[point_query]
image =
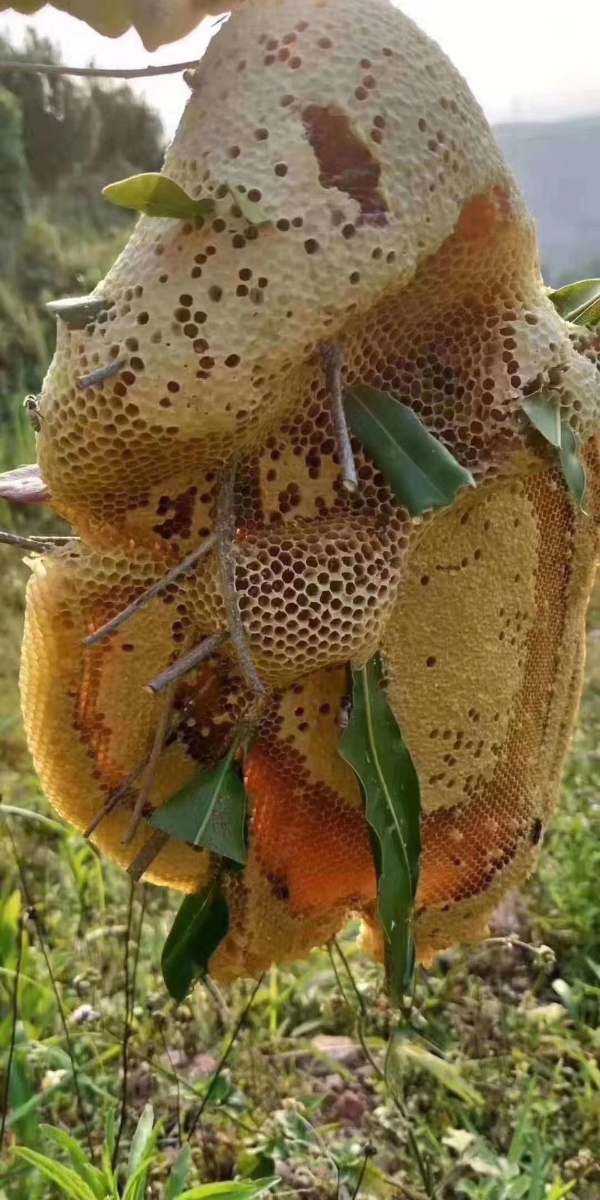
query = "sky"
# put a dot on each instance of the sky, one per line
(524, 59)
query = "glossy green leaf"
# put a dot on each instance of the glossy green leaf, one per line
(246, 1190)
(543, 411)
(180, 1173)
(198, 929)
(66, 1180)
(422, 473)
(157, 196)
(573, 468)
(210, 811)
(373, 745)
(578, 302)
(250, 210)
(411, 1051)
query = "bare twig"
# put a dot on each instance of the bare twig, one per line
(218, 1000)
(41, 545)
(226, 536)
(146, 856)
(150, 769)
(333, 376)
(78, 311)
(177, 1082)
(13, 1031)
(126, 1030)
(24, 485)
(187, 662)
(33, 912)
(28, 68)
(101, 375)
(355, 988)
(234, 1036)
(368, 1154)
(422, 1165)
(113, 801)
(156, 590)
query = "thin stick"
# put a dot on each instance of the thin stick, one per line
(382, 1074)
(177, 1085)
(13, 1031)
(59, 1004)
(150, 769)
(226, 536)
(113, 801)
(27, 68)
(101, 375)
(146, 857)
(28, 543)
(126, 1030)
(156, 590)
(355, 988)
(224, 1057)
(219, 1001)
(333, 376)
(361, 1175)
(187, 662)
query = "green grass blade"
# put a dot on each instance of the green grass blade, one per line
(69, 1183)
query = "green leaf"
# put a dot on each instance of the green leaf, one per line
(422, 473)
(92, 1176)
(578, 302)
(64, 1178)
(372, 743)
(251, 212)
(108, 1148)
(179, 1175)
(157, 196)
(199, 927)
(140, 1139)
(544, 413)
(410, 1051)
(210, 811)
(573, 468)
(231, 1191)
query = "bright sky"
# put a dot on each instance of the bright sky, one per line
(522, 58)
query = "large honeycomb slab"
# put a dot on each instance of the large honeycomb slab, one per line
(392, 227)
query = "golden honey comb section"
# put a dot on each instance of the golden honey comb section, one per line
(360, 172)
(310, 862)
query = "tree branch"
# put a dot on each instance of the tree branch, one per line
(187, 662)
(156, 590)
(332, 361)
(28, 68)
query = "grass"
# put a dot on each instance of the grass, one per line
(492, 1092)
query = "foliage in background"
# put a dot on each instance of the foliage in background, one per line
(61, 142)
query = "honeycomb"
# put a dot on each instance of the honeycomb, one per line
(389, 226)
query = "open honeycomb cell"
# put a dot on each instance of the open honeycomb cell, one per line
(390, 227)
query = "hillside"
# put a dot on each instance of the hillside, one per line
(556, 163)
